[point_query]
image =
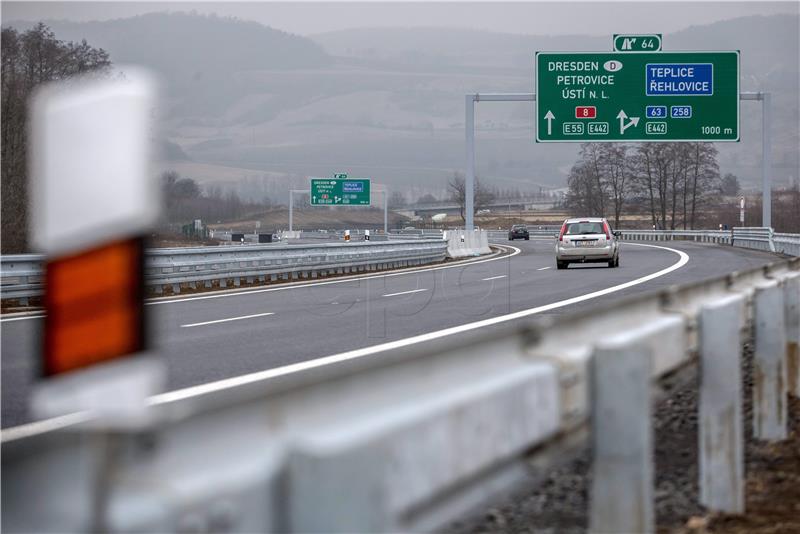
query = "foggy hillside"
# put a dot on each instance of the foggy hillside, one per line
(260, 110)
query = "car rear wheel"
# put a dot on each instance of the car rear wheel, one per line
(527, 239)
(561, 264)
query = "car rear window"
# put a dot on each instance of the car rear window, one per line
(581, 228)
(516, 227)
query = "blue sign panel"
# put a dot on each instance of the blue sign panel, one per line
(679, 79)
(656, 112)
(681, 112)
(353, 187)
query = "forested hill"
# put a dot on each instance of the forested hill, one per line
(195, 52)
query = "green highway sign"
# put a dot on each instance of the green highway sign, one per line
(637, 42)
(619, 96)
(340, 191)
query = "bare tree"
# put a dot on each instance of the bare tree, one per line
(482, 196)
(396, 200)
(600, 181)
(675, 180)
(583, 193)
(30, 59)
(617, 167)
(705, 179)
(730, 185)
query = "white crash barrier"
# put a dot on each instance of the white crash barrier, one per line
(461, 243)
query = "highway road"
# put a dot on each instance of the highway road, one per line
(228, 335)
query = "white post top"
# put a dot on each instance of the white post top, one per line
(91, 175)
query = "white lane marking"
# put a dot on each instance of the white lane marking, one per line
(493, 278)
(405, 292)
(543, 269)
(22, 318)
(48, 425)
(228, 383)
(227, 320)
(40, 427)
(239, 292)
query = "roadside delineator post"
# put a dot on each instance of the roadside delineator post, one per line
(720, 433)
(791, 302)
(622, 485)
(93, 199)
(769, 364)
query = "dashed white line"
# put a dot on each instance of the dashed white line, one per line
(404, 292)
(493, 278)
(227, 320)
(543, 269)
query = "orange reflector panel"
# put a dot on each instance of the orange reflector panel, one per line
(94, 305)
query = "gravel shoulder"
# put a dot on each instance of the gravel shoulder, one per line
(559, 502)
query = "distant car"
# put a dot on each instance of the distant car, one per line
(518, 231)
(483, 212)
(588, 240)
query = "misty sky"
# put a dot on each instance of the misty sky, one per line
(540, 18)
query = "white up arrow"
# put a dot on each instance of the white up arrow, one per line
(549, 118)
(622, 126)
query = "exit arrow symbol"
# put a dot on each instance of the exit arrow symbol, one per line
(622, 126)
(549, 118)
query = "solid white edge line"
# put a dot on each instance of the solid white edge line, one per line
(37, 315)
(227, 320)
(493, 278)
(47, 425)
(405, 292)
(227, 383)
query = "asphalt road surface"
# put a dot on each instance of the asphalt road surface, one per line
(214, 336)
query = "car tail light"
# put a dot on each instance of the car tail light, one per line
(606, 230)
(563, 230)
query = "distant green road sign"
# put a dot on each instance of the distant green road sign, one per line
(637, 42)
(339, 192)
(618, 96)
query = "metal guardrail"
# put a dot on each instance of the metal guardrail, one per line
(21, 276)
(746, 237)
(786, 243)
(406, 437)
(703, 236)
(172, 267)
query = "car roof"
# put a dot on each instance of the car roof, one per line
(584, 219)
